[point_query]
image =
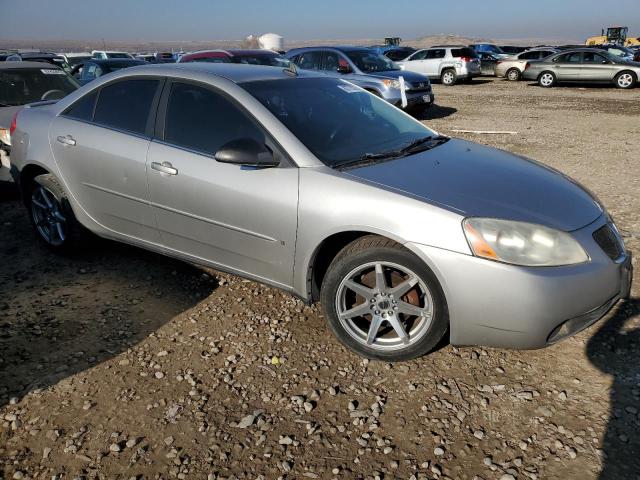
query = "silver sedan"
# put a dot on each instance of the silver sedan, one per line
(586, 65)
(317, 187)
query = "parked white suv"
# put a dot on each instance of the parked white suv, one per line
(446, 63)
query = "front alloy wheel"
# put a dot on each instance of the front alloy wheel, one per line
(625, 80)
(384, 306)
(382, 301)
(48, 217)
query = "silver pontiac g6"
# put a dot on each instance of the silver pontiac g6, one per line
(317, 187)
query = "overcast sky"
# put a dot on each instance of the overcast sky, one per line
(169, 20)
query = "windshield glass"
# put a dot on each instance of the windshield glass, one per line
(337, 121)
(118, 55)
(263, 59)
(21, 86)
(369, 61)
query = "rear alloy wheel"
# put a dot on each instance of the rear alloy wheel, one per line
(383, 302)
(51, 214)
(625, 80)
(513, 75)
(547, 79)
(449, 77)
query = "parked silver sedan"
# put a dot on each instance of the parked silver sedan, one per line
(583, 65)
(315, 186)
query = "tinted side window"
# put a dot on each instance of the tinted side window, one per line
(83, 108)
(125, 105)
(203, 120)
(331, 61)
(529, 56)
(310, 60)
(592, 57)
(421, 55)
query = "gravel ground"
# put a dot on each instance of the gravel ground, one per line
(117, 363)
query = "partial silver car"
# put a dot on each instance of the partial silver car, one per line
(586, 65)
(511, 68)
(315, 186)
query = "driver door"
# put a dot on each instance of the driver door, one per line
(417, 62)
(238, 218)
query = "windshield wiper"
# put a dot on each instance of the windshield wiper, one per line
(419, 145)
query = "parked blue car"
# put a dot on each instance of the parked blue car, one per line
(370, 70)
(494, 50)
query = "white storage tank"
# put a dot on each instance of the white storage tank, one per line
(271, 41)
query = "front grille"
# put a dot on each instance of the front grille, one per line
(609, 241)
(420, 87)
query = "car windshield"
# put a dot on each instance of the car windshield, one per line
(370, 61)
(263, 59)
(21, 86)
(118, 55)
(337, 121)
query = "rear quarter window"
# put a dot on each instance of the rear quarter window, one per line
(125, 105)
(82, 109)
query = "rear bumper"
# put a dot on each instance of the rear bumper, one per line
(499, 305)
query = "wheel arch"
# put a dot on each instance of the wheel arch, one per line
(26, 179)
(326, 250)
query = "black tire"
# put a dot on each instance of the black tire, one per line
(75, 235)
(449, 77)
(371, 249)
(547, 79)
(625, 80)
(513, 75)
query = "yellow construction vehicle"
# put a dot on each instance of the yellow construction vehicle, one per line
(617, 35)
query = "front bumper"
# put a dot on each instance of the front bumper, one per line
(500, 305)
(414, 99)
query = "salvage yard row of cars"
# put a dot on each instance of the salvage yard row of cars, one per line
(299, 172)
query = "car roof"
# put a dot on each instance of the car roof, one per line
(351, 48)
(237, 73)
(24, 64)
(115, 61)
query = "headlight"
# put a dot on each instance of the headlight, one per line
(395, 84)
(521, 243)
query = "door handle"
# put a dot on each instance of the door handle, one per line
(164, 167)
(67, 140)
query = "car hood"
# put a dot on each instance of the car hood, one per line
(395, 74)
(6, 115)
(478, 181)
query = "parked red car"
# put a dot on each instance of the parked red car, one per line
(251, 57)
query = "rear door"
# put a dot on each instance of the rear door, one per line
(239, 218)
(433, 61)
(100, 145)
(568, 67)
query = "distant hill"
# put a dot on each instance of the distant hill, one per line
(61, 45)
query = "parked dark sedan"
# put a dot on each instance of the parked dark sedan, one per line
(23, 82)
(92, 69)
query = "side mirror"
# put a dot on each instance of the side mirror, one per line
(247, 152)
(343, 69)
